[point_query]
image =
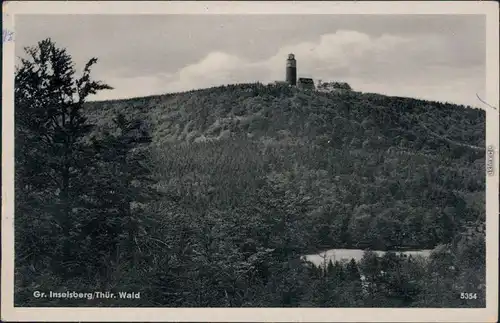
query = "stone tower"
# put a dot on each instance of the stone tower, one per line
(291, 70)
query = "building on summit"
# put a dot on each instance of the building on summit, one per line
(291, 70)
(332, 86)
(305, 83)
(291, 75)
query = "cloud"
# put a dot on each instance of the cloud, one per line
(425, 66)
(133, 86)
(216, 68)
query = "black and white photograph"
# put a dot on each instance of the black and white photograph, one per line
(272, 161)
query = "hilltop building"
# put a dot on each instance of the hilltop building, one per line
(305, 83)
(291, 70)
(333, 86)
(291, 75)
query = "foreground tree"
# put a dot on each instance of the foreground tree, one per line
(53, 159)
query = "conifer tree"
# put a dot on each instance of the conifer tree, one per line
(125, 185)
(52, 157)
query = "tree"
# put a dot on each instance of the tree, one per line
(124, 186)
(53, 159)
(354, 288)
(371, 269)
(353, 271)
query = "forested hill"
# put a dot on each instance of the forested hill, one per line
(209, 198)
(277, 110)
(342, 169)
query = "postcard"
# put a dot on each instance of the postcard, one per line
(250, 161)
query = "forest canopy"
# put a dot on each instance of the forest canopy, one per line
(209, 197)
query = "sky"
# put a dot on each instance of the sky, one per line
(435, 57)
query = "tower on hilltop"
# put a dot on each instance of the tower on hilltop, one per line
(291, 70)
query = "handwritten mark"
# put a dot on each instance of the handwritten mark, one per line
(485, 102)
(7, 36)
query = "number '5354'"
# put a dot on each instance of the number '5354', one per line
(468, 295)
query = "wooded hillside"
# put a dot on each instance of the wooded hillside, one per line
(209, 197)
(361, 161)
